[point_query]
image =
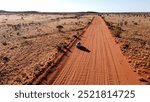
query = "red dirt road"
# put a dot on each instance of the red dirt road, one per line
(99, 62)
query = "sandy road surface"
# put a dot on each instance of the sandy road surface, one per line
(100, 61)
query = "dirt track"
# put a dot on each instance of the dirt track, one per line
(100, 61)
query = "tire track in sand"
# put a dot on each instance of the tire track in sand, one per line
(104, 64)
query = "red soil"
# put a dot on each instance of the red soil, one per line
(99, 62)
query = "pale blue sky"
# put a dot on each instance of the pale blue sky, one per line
(76, 5)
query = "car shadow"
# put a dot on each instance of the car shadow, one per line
(82, 48)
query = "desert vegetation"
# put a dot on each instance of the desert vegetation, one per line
(28, 41)
(132, 33)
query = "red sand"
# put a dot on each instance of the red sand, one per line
(103, 65)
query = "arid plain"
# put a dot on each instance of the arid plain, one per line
(28, 41)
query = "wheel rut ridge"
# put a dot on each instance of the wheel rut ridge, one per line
(111, 66)
(87, 73)
(93, 56)
(64, 72)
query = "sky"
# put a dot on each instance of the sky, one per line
(76, 5)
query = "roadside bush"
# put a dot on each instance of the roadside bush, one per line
(103, 17)
(59, 48)
(64, 45)
(135, 23)
(75, 36)
(117, 31)
(5, 59)
(18, 33)
(4, 43)
(67, 38)
(121, 23)
(59, 27)
(125, 23)
(125, 46)
(89, 22)
(110, 25)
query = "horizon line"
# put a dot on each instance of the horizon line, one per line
(7, 11)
